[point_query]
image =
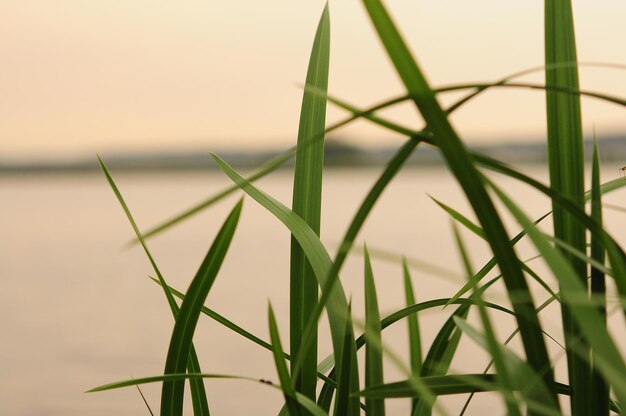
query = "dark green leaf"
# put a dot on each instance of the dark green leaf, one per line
(172, 394)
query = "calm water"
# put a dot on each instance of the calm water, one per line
(77, 310)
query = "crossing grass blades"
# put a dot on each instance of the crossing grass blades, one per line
(581, 256)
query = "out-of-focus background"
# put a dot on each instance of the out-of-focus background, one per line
(153, 87)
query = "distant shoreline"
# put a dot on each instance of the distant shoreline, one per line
(337, 155)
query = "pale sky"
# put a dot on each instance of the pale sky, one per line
(79, 77)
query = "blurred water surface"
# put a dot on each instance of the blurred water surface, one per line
(77, 310)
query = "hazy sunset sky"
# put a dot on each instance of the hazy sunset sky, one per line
(79, 77)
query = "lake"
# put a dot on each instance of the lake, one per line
(77, 309)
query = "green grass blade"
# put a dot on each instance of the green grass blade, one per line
(503, 377)
(440, 355)
(281, 368)
(566, 163)
(404, 313)
(346, 403)
(457, 216)
(460, 163)
(373, 354)
(337, 305)
(599, 395)
(307, 203)
(605, 353)
(415, 341)
(274, 163)
(572, 251)
(523, 378)
(239, 330)
(307, 403)
(392, 168)
(474, 280)
(616, 255)
(198, 392)
(541, 307)
(267, 168)
(224, 321)
(172, 393)
(443, 385)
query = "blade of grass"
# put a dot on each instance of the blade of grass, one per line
(274, 163)
(238, 329)
(281, 368)
(404, 313)
(616, 255)
(599, 397)
(172, 393)
(373, 355)
(503, 377)
(346, 403)
(443, 385)
(415, 342)
(567, 167)
(307, 203)
(392, 168)
(541, 307)
(143, 398)
(307, 403)
(524, 378)
(605, 353)
(198, 393)
(337, 305)
(473, 281)
(440, 355)
(461, 164)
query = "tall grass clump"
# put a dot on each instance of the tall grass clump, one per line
(581, 256)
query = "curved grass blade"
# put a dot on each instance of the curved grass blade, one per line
(616, 255)
(441, 351)
(503, 376)
(307, 403)
(358, 220)
(444, 385)
(440, 355)
(461, 164)
(541, 307)
(267, 168)
(368, 114)
(605, 353)
(599, 396)
(337, 305)
(566, 248)
(415, 341)
(307, 203)
(281, 368)
(373, 355)
(272, 164)
(392, 168)
(523, 378)
(172, 393)
(474, 280)
(198, 393)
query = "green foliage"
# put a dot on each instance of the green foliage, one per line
(525, 382)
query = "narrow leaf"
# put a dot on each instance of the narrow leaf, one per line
(373, 352)
(281, 368)
(198, 393)
(307, 203)
(172, 393)
(462, 166)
